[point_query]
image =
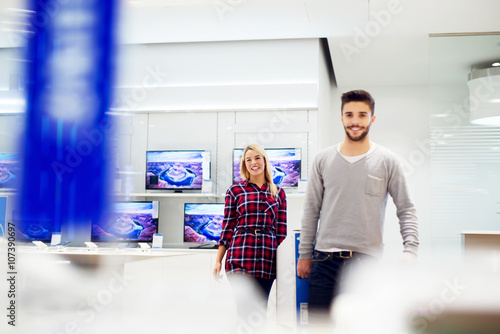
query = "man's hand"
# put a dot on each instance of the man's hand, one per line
(304, 268)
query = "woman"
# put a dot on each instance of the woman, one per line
(254, 225)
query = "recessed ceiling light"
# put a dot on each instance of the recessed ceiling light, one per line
(497, 63)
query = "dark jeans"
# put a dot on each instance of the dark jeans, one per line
(327, 273)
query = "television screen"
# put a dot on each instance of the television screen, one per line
(34, 230)
(177, 170)
(9, 170)
(127, 222)
(203, 222)
(286, 166)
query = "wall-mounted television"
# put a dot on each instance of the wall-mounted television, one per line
(177, 170)
(286, 166)
(127, 222)
(203, 222)
(9, 170)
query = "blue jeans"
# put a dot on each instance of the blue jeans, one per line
(327, 272)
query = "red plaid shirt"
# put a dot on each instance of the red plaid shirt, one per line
(248, 207)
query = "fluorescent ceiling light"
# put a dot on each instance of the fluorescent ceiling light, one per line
(13, 102)
(10, 111)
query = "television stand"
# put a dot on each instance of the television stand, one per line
(205, 246)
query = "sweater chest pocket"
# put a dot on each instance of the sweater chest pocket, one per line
(374, 185)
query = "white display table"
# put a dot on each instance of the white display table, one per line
(107, 256)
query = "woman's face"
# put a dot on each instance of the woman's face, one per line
(255, 163)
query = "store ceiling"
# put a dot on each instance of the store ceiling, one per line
(372, 42)
(452, 58)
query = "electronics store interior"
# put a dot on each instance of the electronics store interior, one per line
(113, 226)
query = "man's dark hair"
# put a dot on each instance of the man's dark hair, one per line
(358, 96)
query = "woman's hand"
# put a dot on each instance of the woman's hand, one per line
(216, 271)
(218, 262)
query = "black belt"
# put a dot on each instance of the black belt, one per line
(343, 254)
(256, 231)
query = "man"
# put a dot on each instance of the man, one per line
(347, 193)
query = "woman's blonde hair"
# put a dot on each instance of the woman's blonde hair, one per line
(268, 173)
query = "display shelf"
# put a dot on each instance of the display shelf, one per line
(171, 195)
(288, 195)
(484, 232)
(7, 193)
(295, 195)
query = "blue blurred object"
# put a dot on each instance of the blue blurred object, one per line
(65, 152)
(301, 288)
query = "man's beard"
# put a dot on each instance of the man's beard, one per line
(360, 137)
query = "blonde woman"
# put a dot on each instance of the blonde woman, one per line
(254, 224)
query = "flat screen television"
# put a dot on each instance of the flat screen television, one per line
(203, 223)
(9, 171)
(34, 230)
(127, 222)
(177, 170)
(286, 166)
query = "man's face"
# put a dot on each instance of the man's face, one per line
(357, 118)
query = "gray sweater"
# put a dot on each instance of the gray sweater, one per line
(348, 201)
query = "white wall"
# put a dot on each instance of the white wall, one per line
(241, 75)
(11, 127)
(465, 172)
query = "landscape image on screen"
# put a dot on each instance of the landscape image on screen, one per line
(174, 169)
(9, 170)
(35, 230)
(286, 166)
(203, 222)
(127, 221)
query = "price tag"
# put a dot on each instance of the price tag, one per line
(157, 240)
(56, 239)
